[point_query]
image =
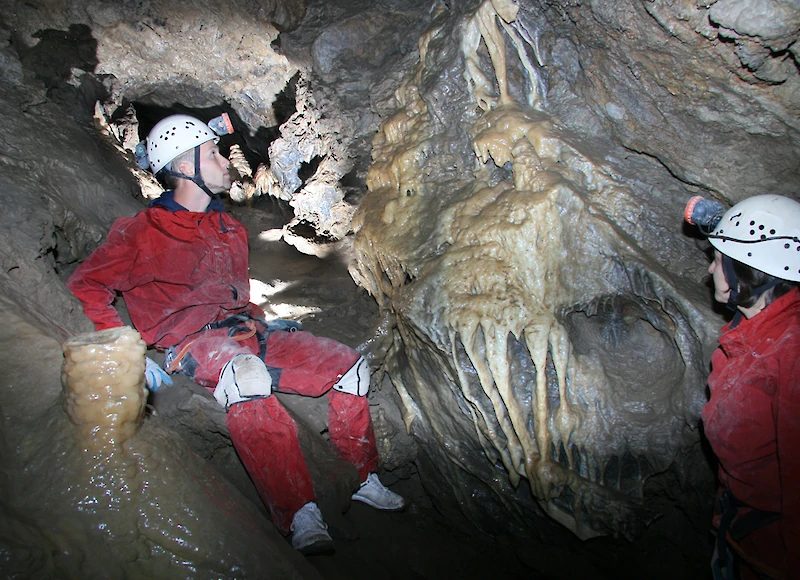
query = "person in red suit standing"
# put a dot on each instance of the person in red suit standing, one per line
(182, 267)
(752, 419)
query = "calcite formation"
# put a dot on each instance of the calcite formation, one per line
(124, 482)
(307, 138)
(537, 337)
(104, 389)
(522, 226)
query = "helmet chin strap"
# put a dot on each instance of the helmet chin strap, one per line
(197, 179)
(733, 283)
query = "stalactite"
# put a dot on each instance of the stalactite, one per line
(513, 257)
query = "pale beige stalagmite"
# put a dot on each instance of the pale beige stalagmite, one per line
(130, 499)
(103, 384)
(265, 182)
(239, 162)
(245, 187)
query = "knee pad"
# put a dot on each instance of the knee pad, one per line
(244, 378)
(356, 380)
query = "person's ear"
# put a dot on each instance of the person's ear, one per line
(186, 167)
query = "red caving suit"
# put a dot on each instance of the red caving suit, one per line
(753, 424)
(179, 271)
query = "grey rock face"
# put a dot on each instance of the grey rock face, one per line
(348, 48)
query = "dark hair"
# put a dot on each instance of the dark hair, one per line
(167, 180)
(750, 279)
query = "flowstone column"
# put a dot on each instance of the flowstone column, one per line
(103, 386)
(133, 486)
(540, 339)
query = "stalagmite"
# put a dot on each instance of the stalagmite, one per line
(104, 388)
(160, 510)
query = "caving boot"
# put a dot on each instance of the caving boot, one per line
(310, 533)
(373, 493)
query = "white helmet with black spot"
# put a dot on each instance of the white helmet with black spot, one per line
(174, 135)
(762, 232)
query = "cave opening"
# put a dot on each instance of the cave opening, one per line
(307, 170)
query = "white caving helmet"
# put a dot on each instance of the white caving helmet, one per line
(178, 134)
(174, 135)
(762, 232)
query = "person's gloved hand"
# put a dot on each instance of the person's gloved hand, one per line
(154, 375)
(281, 324)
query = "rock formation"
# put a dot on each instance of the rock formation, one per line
(510, 176)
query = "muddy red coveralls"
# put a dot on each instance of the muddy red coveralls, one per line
(181, 271)
(753, 424)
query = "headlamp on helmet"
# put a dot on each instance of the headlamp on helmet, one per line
(703, 213)
(762, 232)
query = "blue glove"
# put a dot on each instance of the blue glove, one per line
(154, 375)
(281, 324)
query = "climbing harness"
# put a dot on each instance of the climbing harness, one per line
(240, 327)
(731, 529)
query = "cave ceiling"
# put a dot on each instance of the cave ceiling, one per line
(511, 176)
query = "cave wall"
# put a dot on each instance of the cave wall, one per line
(61, 190)
(523, 223)
(563, 137)
(709, 89)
